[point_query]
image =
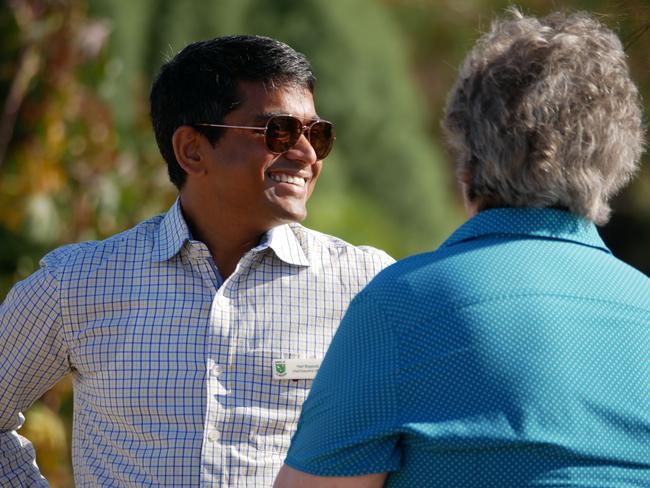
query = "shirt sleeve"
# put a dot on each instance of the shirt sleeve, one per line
(33, 358)
(349, 424)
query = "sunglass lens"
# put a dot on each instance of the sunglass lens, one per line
(321, 137)
(282, 132)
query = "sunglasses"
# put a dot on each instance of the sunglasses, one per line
(282, 132)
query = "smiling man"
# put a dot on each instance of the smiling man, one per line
(193, 337)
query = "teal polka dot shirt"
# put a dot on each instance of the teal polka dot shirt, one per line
(516, 355)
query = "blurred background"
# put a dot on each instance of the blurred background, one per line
(78, 159)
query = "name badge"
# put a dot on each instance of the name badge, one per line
(295, 369)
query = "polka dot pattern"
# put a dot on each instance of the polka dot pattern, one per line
(517, 354)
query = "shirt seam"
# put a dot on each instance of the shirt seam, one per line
(494, 298)
(395, 356)
(59, 316)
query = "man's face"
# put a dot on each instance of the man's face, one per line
(249, 182)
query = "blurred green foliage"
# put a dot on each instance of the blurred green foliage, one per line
(78, 159)
(364, 86)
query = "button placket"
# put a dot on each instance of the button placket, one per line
(217, 395)
(224, 341)
(197, 253)
(216, 370)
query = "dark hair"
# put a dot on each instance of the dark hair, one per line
(200, 84)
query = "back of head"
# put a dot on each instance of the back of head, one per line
(544, 114)
(200, 84)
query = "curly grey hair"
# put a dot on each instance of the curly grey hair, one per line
(544, 114)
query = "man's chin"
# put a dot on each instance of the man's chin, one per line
(287, 214)
(293, 217)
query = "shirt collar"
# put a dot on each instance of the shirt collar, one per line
(286, 246)
(174, 232)
(537, 222)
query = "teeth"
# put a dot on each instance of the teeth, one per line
(285, 178)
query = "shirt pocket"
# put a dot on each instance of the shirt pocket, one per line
(269, 406)
(277, 444)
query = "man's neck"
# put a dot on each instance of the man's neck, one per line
(227, 239)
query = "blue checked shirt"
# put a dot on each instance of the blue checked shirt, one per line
(172, 366)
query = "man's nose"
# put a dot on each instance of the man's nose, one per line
(302, 151)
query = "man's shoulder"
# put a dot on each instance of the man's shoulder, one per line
(321, 243)
(133, 243)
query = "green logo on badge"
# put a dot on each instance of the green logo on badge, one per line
(280, 368)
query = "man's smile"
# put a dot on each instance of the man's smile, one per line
(300, 181)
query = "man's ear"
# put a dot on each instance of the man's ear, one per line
(189, 146)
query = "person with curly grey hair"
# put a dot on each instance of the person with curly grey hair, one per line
(517, 353)
(544, 114)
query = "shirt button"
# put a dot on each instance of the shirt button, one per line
(216, 370)
(213, 435)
